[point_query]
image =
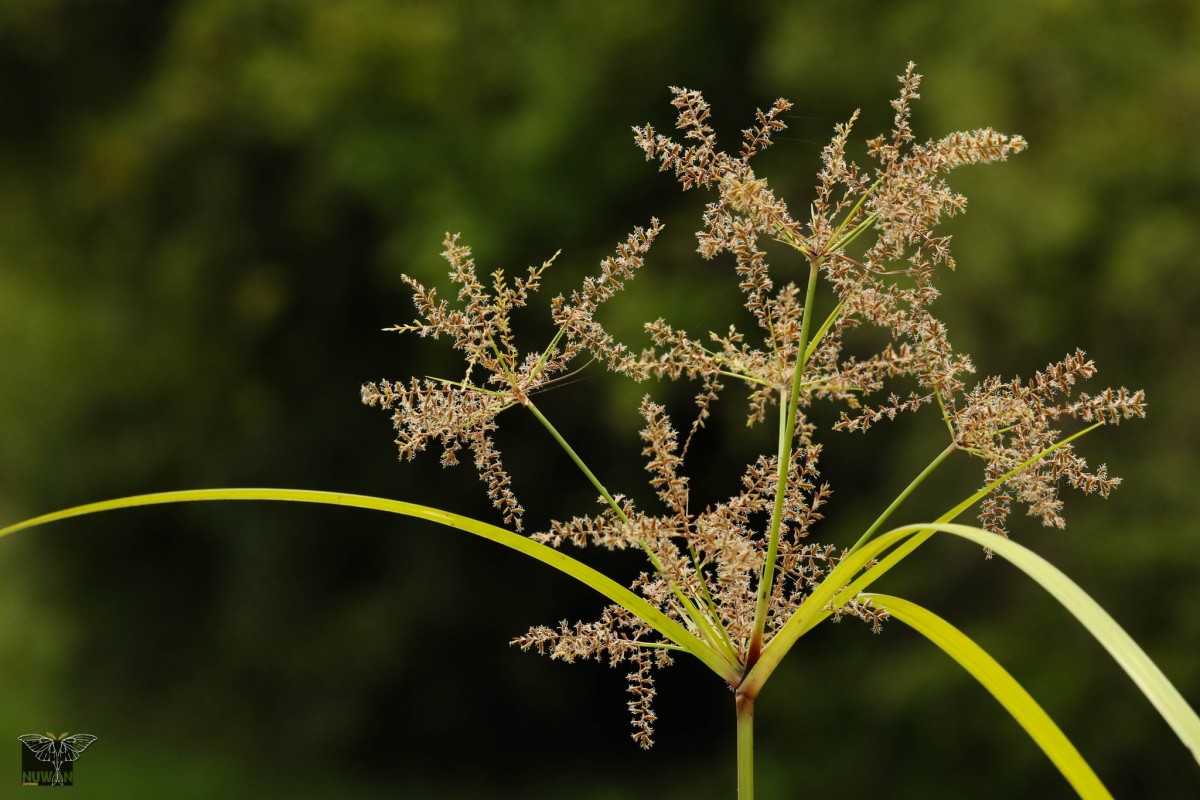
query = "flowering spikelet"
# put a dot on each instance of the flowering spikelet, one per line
(455, 413)
(576, 317)
(1009, 423)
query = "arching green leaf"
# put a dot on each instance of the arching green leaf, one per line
(985, 669)
(581, 572)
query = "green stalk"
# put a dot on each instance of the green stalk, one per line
(709, 603)
(900, 498)
(537, 368)
(945, 414)
(570, 451)
(786, 436)
(714, 640)
(824, 329)
(912, 543)
(851, 214)
(745, 745)
(854, 234)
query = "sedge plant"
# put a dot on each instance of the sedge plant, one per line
(735, 584)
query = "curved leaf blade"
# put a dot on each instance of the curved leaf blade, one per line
(1112, 637)
(997, 680)
(837, 588)
(581, 572)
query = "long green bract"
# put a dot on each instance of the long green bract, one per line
(581, 572)
(1144, 673)
(985, 669)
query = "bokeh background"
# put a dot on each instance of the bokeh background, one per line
(205, 209)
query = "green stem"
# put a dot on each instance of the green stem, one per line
(824, 329)
(852, 214)
(570, 451)
(709, 603)
(786, 436)
(854, 234)
(464, 385)
(537, 368)
(742, 377)
(900, 498)
(912, 543)
(745, 745)
(945, 413)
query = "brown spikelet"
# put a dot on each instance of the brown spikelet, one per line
(576, 317)
(1009, 423)
(463, 412)
(662, 450)
(641, 686)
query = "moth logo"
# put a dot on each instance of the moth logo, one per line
(39, 753)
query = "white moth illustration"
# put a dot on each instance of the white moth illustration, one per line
(55, 751)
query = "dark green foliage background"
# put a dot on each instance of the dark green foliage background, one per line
(205, 208)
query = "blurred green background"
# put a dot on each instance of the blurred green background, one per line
(206, 208)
